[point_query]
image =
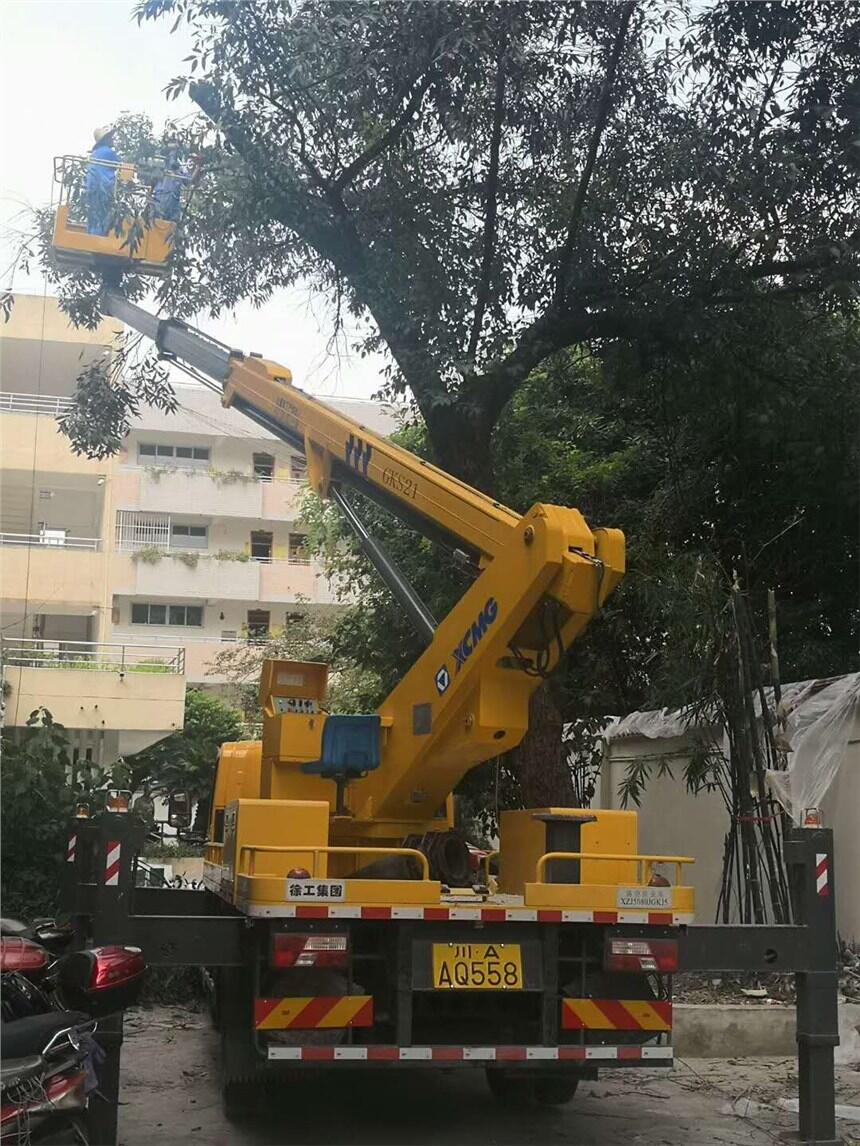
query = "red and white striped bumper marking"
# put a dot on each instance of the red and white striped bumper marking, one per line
(112, 863)
(472, 1054)
(71, 848)
(453, 914)
(822, 875)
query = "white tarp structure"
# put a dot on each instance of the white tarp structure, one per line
(815, 719)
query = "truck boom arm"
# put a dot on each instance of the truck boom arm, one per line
(337, 448)
(543, 575)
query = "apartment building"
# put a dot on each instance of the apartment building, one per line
(144, 565)
(208, 542)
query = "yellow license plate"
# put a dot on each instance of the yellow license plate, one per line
(478, 966)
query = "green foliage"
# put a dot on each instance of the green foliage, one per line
(39, 796)
(172, 850)
(309, 635)
(483, 185)
(186, 760)
(148, 554)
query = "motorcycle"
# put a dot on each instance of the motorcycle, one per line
(97, 980)
(50, 1011)
(54, 936)
(46, 1076)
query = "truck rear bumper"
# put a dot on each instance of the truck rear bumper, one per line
(525, 1056)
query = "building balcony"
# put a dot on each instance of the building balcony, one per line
(174, 576)
(207, 493)
(295, 580)
(28, 431)
(52, 406)
(53, 572)
(137, 691)
(52, 539)
(200, 653)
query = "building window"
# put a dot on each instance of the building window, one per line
(298, 468)
(189, 536)
(299, 553)
(146, 614)
(261, 545)
(259, 621)
(149, 454)
(264, 467)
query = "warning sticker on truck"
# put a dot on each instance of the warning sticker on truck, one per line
(327, 890)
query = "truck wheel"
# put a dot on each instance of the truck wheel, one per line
(555, 1091)
(511, 1089)
(239, 1099)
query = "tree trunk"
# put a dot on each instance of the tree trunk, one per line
(540, 760)
(462, 445)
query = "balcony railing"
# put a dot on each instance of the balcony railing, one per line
(90, 656)
(48, 404)
(52, 538)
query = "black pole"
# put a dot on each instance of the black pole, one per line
(809, 856)
(120, 835)
(418, 613)
(103, 1112)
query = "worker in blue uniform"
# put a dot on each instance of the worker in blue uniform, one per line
(101, 177)
(168, 189)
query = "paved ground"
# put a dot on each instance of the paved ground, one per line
(170, 1094)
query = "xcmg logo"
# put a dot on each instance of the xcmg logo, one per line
(472, 636)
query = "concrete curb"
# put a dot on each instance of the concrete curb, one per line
(727, 1030)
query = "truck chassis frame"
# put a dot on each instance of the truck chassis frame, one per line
(195, 928)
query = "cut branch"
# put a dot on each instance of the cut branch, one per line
(594, 144)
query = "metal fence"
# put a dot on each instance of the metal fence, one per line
(91, 656)
(49, 404)
(51, 538)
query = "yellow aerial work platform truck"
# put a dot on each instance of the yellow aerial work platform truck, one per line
(367, 936)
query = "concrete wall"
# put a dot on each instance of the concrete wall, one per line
(98, 700)
(25, 437)
(48, 575)
(672, 820)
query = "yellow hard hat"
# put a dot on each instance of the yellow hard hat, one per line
(101, 132)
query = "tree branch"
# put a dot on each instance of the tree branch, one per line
(363, 161)
(768, 94)
(490, 207)
(593, 146)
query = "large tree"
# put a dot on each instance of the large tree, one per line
(485, 184)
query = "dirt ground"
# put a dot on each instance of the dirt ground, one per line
(170, 1094)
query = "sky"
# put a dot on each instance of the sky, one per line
(68, 67)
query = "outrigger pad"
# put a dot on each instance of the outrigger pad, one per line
(350, 748)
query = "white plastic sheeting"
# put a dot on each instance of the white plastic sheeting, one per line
(819, 726)
(817, 718)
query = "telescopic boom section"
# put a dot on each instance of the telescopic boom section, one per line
(543, 576)
(337, 448)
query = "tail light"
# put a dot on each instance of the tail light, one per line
(291, 950)
(114, 966)
(18, 954)
(101, 980)
(640, 955)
